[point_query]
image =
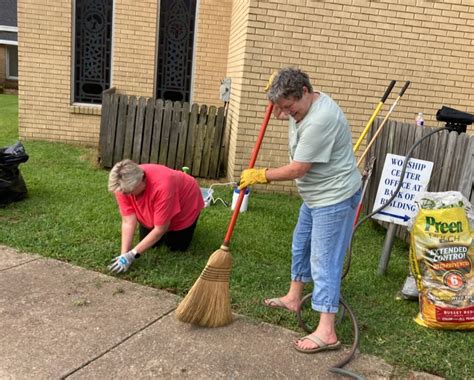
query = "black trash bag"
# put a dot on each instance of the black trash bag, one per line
(12, 185)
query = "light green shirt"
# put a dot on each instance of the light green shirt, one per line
(323, 138)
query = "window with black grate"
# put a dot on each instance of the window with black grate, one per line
(175, 49)
(92, 49)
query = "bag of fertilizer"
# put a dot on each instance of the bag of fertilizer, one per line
(442, 258)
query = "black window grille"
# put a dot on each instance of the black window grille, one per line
(175, 49)
(92, 52)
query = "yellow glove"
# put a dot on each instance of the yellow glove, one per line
(251, 176)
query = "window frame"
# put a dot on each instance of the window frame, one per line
(73, 57)
(8, 62)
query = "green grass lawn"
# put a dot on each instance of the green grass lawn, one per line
(70, 216)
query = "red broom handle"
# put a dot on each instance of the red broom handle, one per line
(235, 214)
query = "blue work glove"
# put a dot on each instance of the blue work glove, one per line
(120, 264)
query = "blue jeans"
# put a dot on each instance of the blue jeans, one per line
(320, 242)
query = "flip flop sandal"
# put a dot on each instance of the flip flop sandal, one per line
(323, 346)
(275, 303)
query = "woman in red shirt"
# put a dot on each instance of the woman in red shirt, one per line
(165, 202)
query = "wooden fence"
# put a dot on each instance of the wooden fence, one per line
(149, 130)
(452, 155)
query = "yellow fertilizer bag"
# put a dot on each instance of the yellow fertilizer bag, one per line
(442, 258)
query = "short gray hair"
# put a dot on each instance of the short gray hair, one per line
(125, 176)
(289, 82)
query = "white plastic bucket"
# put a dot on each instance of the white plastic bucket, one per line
(245, 201)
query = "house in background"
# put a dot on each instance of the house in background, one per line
(8, 46)
(72, 50)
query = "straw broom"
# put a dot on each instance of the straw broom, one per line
(208, 301)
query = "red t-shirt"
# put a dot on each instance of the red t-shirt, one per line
(169, 196)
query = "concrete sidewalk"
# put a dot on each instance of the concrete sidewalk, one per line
(62, 321)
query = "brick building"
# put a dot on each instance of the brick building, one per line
(350, 48)
(8, 46)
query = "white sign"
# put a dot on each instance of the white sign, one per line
(415, 181)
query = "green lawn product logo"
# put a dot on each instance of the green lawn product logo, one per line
(442, 227)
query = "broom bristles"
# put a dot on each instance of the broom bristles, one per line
(208, 302)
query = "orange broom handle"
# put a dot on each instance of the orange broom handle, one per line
(235, 214)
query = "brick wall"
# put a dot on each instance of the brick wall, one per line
(134, 47)
(212, 45)
(235, 69)
(352, 49)
(45, 53)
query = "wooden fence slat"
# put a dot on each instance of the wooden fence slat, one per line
(216, 145)
(447, 161)
(199, 142)
(402, 138)
(106, 99)
(391, 136)
(110, 128)
(380, 149)
(410, 138)
(156, 136)
(456, 143)
(120, 130)
(462, 149)
(456, 163)
(165, 132)
(190, 143)
(138, 133)
(432, 156)
(174, 135)
(130, 127)
(418, 135)
(438, 162)
(148, 130)
(183, 136)
(380, 152)
(209, 137)
(425, 145)
(224, 149)
(466, 175)
(371, 191)
(382, 142)
(471, 185)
